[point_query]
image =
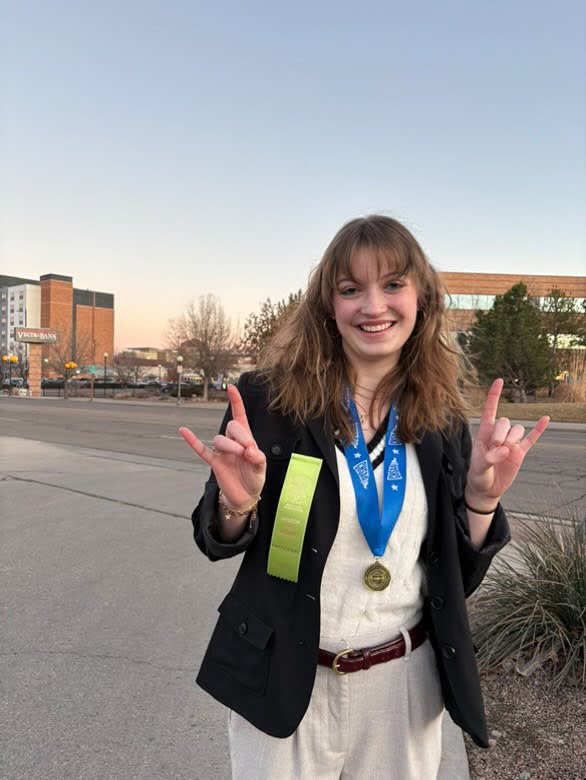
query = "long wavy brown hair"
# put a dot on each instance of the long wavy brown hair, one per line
(305, 364)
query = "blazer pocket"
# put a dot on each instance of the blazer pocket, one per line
(240, 645)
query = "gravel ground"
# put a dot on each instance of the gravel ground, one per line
(537, 732)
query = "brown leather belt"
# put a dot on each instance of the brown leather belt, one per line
(355, 660)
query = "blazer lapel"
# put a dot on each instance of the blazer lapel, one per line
(429, 452)
(325, 441)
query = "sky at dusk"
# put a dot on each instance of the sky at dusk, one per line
(163, 149)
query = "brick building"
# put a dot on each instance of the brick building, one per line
(83, 319)
(468, 292)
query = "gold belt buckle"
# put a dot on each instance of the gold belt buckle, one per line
(336, 665)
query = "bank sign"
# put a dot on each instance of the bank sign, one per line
(35, 335)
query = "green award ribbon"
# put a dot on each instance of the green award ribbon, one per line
(292, 513)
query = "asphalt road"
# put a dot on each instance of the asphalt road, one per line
(147, 428)
(107, 606)
(552, 481)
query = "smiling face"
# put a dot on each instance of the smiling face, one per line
(375, 310)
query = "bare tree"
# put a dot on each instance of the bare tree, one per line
(204, 337)
(69, 347)
(125, 368)
(563, 322)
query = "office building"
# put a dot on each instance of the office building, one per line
(83, 319)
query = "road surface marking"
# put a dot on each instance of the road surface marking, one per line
(163, 436)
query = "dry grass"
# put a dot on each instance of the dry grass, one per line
(559, 412)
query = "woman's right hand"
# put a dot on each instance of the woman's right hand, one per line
(238, 464)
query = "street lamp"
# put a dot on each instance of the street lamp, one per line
(105, 370)
(68, 366)
(179, 372)
(24, 369)
(9, 360)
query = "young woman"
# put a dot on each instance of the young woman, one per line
(345, 473)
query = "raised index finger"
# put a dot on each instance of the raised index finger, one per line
(237, 407)
(197, 445)
(490, 408)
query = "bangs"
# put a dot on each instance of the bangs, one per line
(389, 260)
(389, 247)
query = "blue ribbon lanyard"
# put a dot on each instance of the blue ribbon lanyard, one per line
(377, 527)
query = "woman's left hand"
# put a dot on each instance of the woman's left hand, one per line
(498, 452)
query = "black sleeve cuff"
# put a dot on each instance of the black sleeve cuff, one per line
(205, 528)
(476, 560)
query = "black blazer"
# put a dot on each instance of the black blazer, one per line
(262, 657)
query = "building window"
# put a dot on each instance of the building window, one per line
(469, 302)
(578, 302)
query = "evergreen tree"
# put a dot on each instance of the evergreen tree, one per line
(509, 341)
(259, 328)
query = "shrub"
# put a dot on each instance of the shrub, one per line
(531, 610)
(187, 391)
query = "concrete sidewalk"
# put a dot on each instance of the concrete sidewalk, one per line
(107, 609)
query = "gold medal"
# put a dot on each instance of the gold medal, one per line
(377, 576)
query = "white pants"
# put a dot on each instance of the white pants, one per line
(382, 723)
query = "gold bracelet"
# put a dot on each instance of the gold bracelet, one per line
(230, 512)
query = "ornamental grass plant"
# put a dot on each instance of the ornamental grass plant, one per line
(530, 612)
